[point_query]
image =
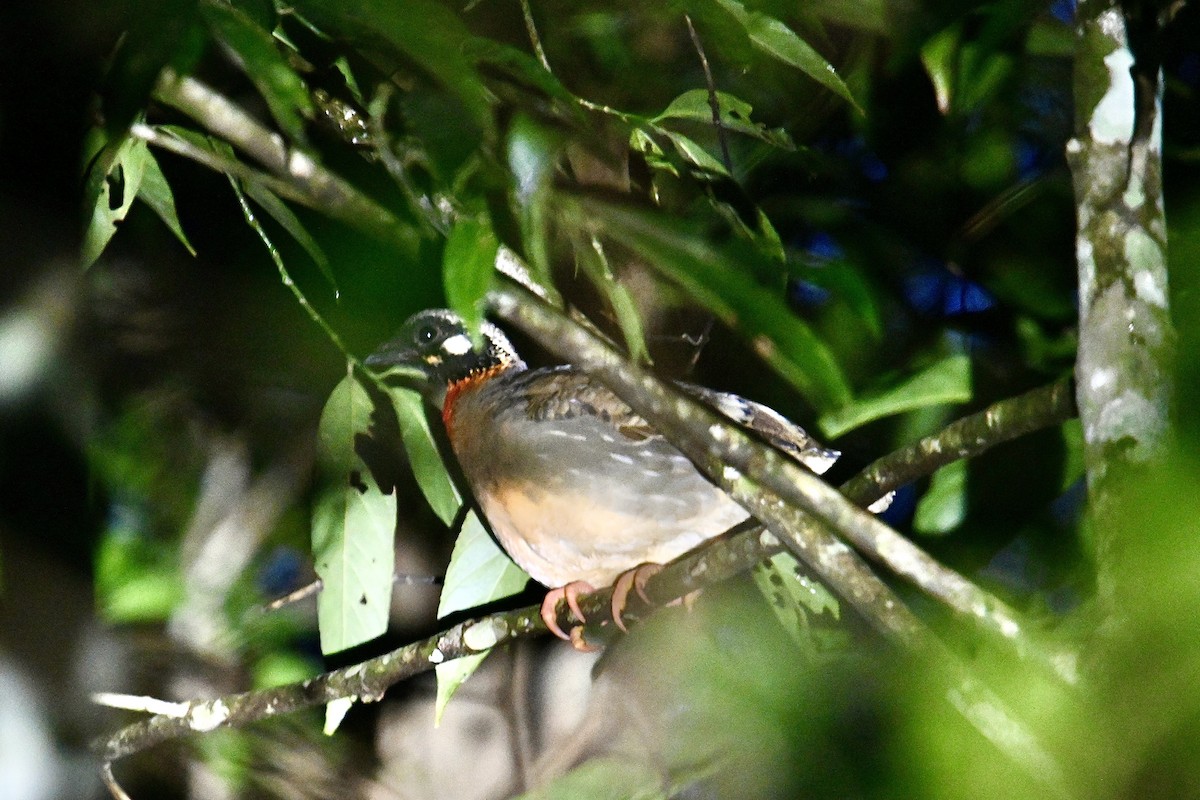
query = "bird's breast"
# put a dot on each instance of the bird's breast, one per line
(571, 498)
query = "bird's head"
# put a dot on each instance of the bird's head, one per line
(434, 350)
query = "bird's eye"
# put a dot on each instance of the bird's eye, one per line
(426, 334)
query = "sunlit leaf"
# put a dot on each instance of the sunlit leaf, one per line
(353, 527)
(435, 483)
(779, 41)
(335, 712)
(479, 573)
(256, 52)
(943, 507)
(468, 265)
(721, 277)
(947, 381)
(156, 193)
(939, 56)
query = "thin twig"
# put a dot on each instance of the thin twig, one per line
(366, 681)
(285, 276)
(322, 189)
(534, 39)
(713, 101)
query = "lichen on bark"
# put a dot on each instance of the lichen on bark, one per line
(1126, 341)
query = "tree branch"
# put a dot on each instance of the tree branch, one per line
(965, 438)
(1126, 342)
(728, 455)
(321, 189)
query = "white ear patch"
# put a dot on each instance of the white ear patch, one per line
(457, 345)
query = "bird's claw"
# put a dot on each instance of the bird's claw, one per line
(634, 579)
(570, 593)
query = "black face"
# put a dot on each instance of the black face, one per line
(434, 347)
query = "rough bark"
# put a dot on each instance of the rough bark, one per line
(1126, 340)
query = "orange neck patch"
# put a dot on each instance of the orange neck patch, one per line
(456, 390)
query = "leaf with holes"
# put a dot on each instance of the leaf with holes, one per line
(112, 184)
(353, 526)
(794, 597)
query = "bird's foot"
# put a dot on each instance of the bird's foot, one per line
(634, 579)
(569, 593)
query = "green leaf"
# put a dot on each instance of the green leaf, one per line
(279, 211)
(158, 34)
(695, 154)
(721, 277)
(256, 52)
(112, 184)
(947, 381)
(846, 281)
(468, 264)
(694, 105)
(156, 193)
(479, 573)
(780, 42)
(1074, 466)
(939, 56)
(439, 491)
(353, 527)
(590, 256)
(943, 507)
(424, 31)
(794, 596)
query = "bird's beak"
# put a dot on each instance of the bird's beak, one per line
(394, 362)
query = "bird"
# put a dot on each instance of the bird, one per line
(578, 489)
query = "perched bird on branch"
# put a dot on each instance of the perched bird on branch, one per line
(579, 490)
